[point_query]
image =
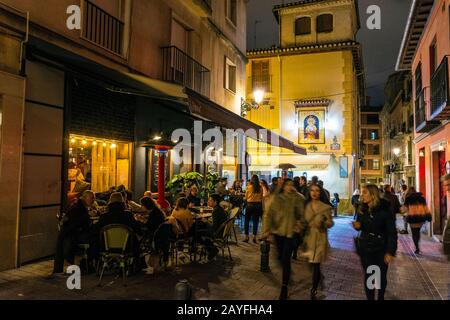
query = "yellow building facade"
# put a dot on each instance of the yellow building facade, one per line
(312, 89)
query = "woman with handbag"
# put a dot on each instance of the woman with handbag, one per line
(319, 220)
(377, 242)
(417, 214)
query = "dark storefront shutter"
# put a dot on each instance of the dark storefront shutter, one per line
(98, 112)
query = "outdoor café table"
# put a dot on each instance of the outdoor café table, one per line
(199, 227)
(200, 216)
(202, 210)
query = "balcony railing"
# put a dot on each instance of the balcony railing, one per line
(102, 28)
(180, 68)
(422, 124)
(261, 82)
(440, 96)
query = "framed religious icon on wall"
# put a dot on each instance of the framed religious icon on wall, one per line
(311, 125)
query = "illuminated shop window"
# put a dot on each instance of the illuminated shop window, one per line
(98, 164)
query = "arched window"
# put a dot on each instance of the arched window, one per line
(302, 26)
(325, 23)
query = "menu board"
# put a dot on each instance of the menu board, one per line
(154, 169)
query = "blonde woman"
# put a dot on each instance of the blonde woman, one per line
(319, 220)
(377, 242)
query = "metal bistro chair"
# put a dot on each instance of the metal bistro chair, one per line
(118, 246)
(184, 242)
(223, 237)
(234, 213)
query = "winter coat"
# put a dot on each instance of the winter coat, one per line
(378, 222)
(117, 215)
(417, 211)
(78, 219)
(316, 240)
(284, 214)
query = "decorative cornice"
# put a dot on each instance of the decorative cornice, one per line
(300, 49)
(313, 103)
(306, 3)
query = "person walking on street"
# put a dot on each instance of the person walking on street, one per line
(392, 199)
(303, 186)
(283, 219)
(335, 203)
(377, 242)
(253, 211)
(324, 191)
(275, 185)
(319, 220)
(417, 215)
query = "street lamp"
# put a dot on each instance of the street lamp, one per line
(396, 151)
(258, 98)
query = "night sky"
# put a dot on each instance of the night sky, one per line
(380, 47)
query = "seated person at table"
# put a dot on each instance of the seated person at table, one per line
(194, 200)
(221, 188)
(131, 205)
(117, 214)
(75, 230)
(181, 218)
(207, 231)
(219, 216)
(155, 216)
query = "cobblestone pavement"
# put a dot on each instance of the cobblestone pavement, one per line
(419, 277)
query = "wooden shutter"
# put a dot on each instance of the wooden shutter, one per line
(325, 23)
(302, 26)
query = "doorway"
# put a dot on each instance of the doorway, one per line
(439, 193)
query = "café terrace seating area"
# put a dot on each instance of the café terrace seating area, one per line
(116, 241)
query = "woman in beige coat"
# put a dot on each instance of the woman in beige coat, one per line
(319, 220)
(282, 220)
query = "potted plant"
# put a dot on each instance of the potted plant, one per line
(181, 182)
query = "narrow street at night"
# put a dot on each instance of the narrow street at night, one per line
(242, 280)
(186, 153)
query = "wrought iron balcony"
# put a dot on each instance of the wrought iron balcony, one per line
(180, 68)
(102, 28)
(440, 93)
(422, 124)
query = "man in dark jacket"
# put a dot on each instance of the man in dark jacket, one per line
(74, 230)
(219, 215)
(303, 186)
(392, 199)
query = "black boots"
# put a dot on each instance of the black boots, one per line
(284, 292)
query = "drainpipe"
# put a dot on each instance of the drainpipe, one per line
(280, 62)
